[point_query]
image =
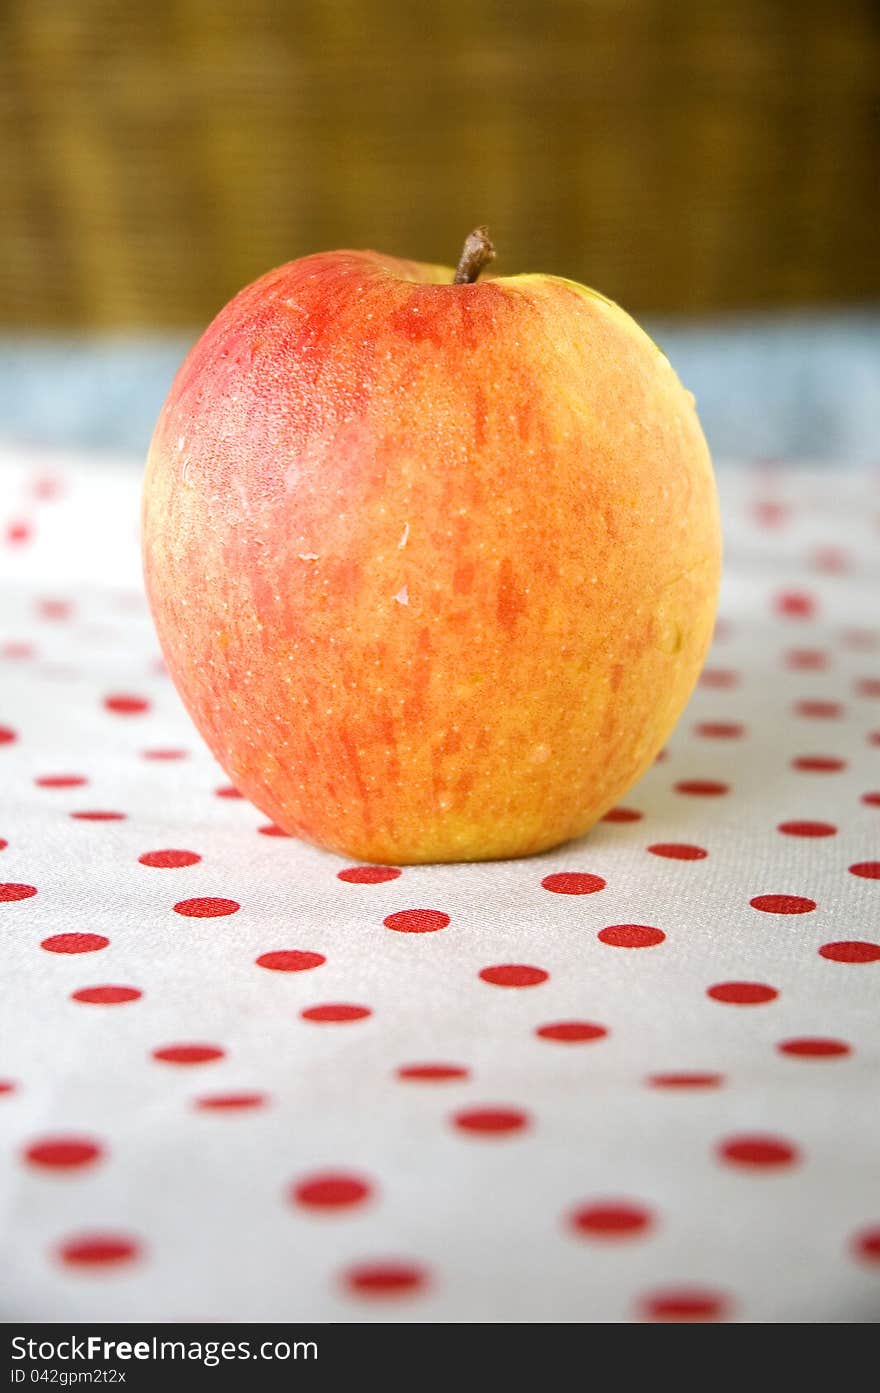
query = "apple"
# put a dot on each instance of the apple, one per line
(433, 560)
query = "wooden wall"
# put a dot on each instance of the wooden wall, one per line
(680, 155)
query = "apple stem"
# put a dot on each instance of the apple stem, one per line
(476, 253)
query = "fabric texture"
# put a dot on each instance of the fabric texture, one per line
(634, 1078)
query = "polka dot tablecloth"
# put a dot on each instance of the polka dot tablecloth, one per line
(633, 1079)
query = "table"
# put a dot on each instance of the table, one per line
(634, 1078)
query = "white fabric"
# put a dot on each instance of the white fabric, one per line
(200, 1201)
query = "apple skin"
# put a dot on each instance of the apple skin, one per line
(434, 567)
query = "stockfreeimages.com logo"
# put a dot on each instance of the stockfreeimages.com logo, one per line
(95, 1349)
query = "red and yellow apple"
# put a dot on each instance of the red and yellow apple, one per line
(433, 565)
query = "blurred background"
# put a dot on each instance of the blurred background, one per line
(712, 165)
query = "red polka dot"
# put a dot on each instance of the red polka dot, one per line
(290, 960)
(702, 788)
(874, 737)
(106, 996)
(228, 791)
(867, 687)
(806, 659)
(719, 678)
(368, 875)
(686, 1079)
(171, 860)
(99, 1250)
(47, 487)
(12, 890)
(432, 1073)
(3, 843)
(573, 883)
(15, 649)
(783, 904)
(75, 943)
(124, 704)
(866, 1245)
(206, 907)
(99, 815)
(768, 513)
(720, 730)
(760, 1152)
(60, 781)
(385, 1279)
(742, 993)
(54, 610)
(7, 735)
(491, 1121)
(831, 559)
(800, 828)
(230, 1102)
(612, 1220)
(18, 532)
(188, 1054)
(795, 604)
(6, 1087)
(813, 1047)
(622, 815)
(818, 710)
(416, 921)
(862, 639)
(867, 870)
(685, 1304)
(514, 975)
(818, 764)
(678, 851)
(335, 1013)
(572, 1032)
(330, 1190)
(271, 829)
(631, 936)
(851, 950)
(62, 1153)
(871, 800)
(165, 754)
